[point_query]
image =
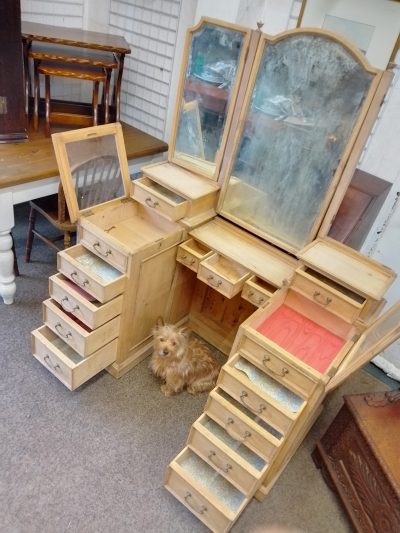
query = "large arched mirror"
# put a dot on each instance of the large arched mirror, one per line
(302, 113)
(208, 88)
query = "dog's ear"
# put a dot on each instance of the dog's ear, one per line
(185, 332)
(160, 321)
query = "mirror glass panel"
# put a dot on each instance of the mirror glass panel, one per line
(213, 61)
(307, 95)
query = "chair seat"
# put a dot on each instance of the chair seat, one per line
(48, 207)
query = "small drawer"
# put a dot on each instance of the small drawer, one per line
(81, 304)
(81, 338)
(206, 494)
(67, 365)
(242, 425)
(328, 294)
(111, 254)
(239, 465)
(159, 198)
(223, 275)
(278, 367)
(91, 273)
(191, 252)
(257, 291)
(260, 393)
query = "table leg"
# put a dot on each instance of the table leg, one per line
(117, 87)
(7, 278)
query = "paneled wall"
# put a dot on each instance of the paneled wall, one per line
(57, 12)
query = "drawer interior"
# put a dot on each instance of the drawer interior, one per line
(160, 190)
(258, 283)
(213, 483)
(286, 398)
(245, 453)
(92, 264)
(226, 268)
(196, 248)
(71, 356)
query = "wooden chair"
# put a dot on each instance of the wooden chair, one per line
(54, 209)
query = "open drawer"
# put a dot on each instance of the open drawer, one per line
(67, 365)
(209, 496)
(222, 274)
(191, 253)
(159, 198)
(81, 304)
(232, 459)
(91, 273)
(81, 338)
(257, 291)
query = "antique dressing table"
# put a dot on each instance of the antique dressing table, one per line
(229, 235)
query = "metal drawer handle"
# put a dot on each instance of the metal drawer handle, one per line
(184, 258)
(211, 281)
(320, 300)
(48, 362)
(260, 300)
(97, 247)
(258, 411)
(59, 325)
(200, 510)
(67, 306)
(212, 456)
(75, 277)
(281, 374)
(238, 438)
(151, 203)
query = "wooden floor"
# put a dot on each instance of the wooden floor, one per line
(34, 159)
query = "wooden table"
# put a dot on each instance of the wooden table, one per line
(77, 38)
(29, 170)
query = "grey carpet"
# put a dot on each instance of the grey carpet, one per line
(94, 460)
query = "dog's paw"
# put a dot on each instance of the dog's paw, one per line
(167, 391)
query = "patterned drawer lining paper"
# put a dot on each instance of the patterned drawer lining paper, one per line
(271, 387)
(214, 483)
(302, 337)
(245, 453)
(98, 266)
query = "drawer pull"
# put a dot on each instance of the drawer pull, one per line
(60, 326)
(67, 306)
(75, 277)
(151, 203)
(212, 456)
(200, 510)
(281, 374)
(48, 362)
(184, 259)
(97, 247)
(246, 403)
(320, 300)
(260, 300)
(215, 283)
(238, 438)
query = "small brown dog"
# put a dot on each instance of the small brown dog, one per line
(182, 361)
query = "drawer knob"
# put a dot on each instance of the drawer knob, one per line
(280, 374)
(212, 281)
(59, 327)
(67, 306)
(212, 456)
(246, 403)
(320, 299)
(238, 438)
(99, 250)
(77, 280)
(48, 362)
(200, 510)
(151, 203)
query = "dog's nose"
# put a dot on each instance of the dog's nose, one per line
(165, 351)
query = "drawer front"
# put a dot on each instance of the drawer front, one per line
(190, 254)
(255, 293)
(223, 275)
(241, 428)
(218, 283)
(106, 251)
(62, 362)
(326, 297)
(74, 301)
(81, 339)
(86, 278)
(182, 488)
(209, 449)
(232, 382)
(149, 193)
(277, 367)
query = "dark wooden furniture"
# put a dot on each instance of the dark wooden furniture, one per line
(13, 121)
(360, 458)
(33, 32)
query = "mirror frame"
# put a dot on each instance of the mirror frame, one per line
(226, 173)
(201, 168)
